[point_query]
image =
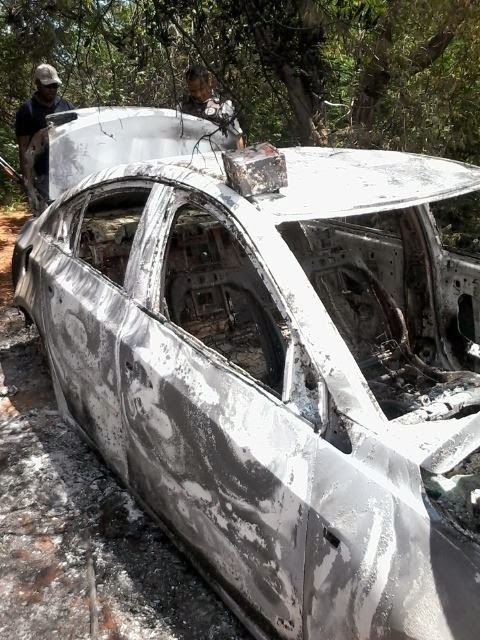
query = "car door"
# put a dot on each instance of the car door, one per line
(458, 297)
(450, 225)
(84, 303)
(213, 449)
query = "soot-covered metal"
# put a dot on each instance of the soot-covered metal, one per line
(288, 383)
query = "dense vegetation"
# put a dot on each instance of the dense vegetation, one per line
(370, 73)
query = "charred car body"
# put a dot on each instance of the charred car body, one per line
(289, 382)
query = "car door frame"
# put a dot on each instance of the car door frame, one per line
(61, 232)
(455, 275)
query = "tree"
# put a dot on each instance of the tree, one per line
(386, 59)
(405, 73)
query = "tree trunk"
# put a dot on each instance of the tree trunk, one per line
(302, 105)
(427, 52)
(376, 78)
(294, 64)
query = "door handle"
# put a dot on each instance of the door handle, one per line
(331, 537)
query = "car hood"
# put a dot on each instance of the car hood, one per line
(437, 446)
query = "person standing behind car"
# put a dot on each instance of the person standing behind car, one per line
(31, 127)
(203, 102)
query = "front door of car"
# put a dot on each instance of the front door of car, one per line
(213, 450)
(84, 304)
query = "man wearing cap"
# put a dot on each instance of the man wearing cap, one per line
(31, 125)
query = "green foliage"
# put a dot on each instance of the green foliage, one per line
(9, 191)
(268, 57)
(458, 221)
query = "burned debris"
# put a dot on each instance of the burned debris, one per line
(214, 293)
(372, 274)
(256, 170)
(107, 232)
(457, 494)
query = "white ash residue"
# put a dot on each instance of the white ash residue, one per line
(59, 507)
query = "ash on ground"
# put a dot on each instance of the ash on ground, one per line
(78, 558)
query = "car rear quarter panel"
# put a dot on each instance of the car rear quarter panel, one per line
(398, 571)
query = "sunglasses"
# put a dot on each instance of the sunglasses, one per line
(51, 86)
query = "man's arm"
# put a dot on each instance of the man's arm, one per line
(228, 110)
(28, 149)
(239, 135)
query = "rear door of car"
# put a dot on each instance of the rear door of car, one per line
(213, 449)
(83, 304)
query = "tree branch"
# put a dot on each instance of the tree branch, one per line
(429, 51)
(377, 73)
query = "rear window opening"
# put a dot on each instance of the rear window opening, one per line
(458, 222)
(108, 229)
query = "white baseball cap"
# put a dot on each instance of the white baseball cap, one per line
(46, 74)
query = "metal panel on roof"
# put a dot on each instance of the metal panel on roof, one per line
(327, 182)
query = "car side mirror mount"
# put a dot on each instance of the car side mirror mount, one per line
(303, 391)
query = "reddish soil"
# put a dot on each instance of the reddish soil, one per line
(11, 222)
(24, 380)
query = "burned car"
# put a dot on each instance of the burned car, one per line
(288, 381)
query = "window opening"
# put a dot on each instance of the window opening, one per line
(213, 291)
(108, 228)
(385, 221)
(458, 222)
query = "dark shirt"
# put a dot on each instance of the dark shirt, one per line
(31, 117)
(213, 109)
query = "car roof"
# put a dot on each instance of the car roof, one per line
(322, 182)
(327, 182)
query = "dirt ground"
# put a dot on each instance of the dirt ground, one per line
(78, 559)
(10, 223)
